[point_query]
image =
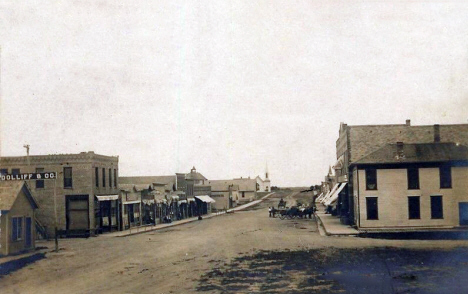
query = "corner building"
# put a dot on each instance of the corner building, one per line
(356, 142)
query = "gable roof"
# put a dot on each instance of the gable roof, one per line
(196, 176)
(416, 153)
(140, 182)
(147, 180)
(9, 191)
(246, 185)
(222, 186)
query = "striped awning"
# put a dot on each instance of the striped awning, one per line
(205, 198)
(107, 197)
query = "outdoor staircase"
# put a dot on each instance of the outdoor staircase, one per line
(41, 231)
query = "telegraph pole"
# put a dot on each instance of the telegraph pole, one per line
(55, 211)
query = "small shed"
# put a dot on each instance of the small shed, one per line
(17, 217)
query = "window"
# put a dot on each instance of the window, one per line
(413, 178)
(39, 183)
(103, 177)
(371, 179)
(16, 228)
(437, 211)
(110, 178)
(445, 173)
(15, 171)
(414, 208)
(115, 178)
(3, 171)
(372, 208)
(96, 175)
(67, 177)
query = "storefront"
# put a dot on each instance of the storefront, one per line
(131, 215)
(149, 211)
(107, 212)
(204, 204)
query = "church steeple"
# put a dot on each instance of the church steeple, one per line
(266, 171)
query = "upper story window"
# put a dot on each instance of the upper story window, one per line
(413, 178)
(39, 183)
(445, 173)
(67, 177)
(115, 178)
(3, 171)
(103, 177)
(371, 179)
(15, 171)
(110, 178)
(96, 176)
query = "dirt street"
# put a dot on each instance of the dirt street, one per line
(245, 252)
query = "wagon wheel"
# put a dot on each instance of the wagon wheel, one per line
(282, 216)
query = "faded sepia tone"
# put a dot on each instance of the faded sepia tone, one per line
(233, 147)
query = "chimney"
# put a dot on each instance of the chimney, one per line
(408, 122)
(399, 153)
(436, 133)
(399, 146)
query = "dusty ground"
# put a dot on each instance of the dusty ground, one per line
(245, 252)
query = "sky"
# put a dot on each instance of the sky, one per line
(225, 86)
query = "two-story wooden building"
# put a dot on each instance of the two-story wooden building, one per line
(411, 187)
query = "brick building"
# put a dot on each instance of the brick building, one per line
(355, 142)
(86, 190)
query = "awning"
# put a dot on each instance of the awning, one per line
(132, 202)
(339, 163)
(190, 199)
(334, 196)
(330, 194)
(319, 197)
(181, 201)
(148, 201)
(107, 197)
(205, 198)
(175, 197)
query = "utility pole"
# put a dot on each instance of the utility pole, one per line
(55, 211)
(27, 153)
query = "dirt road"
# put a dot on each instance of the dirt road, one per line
(243, 252)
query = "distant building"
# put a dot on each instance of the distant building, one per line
(264, 185)
(87, 190)
(247, 188)
(148, 199)
(224, 193)
(422, 186)
(17, 217)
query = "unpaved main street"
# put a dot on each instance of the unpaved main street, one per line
(245, 252)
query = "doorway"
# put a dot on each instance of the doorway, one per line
(463, 213)
(77, 213)
(28, 235)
